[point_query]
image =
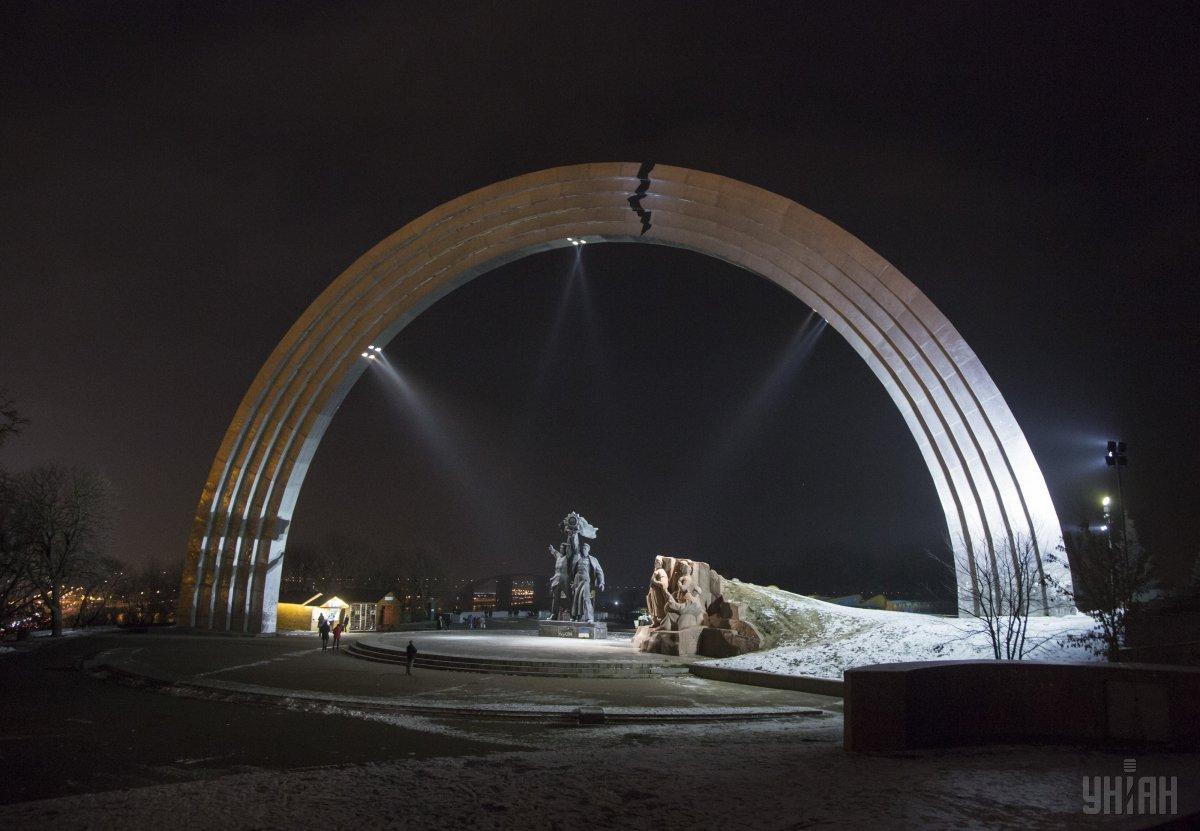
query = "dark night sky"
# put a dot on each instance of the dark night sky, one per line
(179, 181)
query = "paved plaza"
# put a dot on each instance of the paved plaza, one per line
(295, 666)
(83, 751)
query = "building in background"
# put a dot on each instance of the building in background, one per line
(361, 614)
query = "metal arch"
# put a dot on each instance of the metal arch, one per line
(989, 484)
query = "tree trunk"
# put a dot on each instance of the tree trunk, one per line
(56, 626)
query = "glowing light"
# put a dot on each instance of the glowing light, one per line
(1103, 527)
(1106, 501)
(431, 423)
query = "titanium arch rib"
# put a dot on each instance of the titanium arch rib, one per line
(990, 487)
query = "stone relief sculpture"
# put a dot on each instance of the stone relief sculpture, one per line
(659, 594)
(689, 614)
(577, 574)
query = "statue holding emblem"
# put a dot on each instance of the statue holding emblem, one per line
(577, 574)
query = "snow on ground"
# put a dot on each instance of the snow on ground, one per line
(42, 637)
(74, 633)
(775, 775)
(823, 639)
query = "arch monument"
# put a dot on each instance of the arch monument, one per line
(987, 480)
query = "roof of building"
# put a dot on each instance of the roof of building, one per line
(316, 599)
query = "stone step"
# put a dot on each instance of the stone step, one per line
(398, 654)
(559, 669)
(502, 666)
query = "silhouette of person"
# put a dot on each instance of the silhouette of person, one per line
(323, 631)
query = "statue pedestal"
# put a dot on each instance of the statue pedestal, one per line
(572, 629)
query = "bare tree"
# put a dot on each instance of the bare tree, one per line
(99, 582)
(61, 516)
(999, 590)
(11, 420)
(1112, 571)
(18, 593)
(153, 591)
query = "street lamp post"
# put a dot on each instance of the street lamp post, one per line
(1116, 458)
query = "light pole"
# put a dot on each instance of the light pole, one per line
(1115, 457)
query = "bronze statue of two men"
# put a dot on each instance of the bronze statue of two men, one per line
(576, 572)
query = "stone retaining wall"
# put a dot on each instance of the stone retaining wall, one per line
(799, 683)
(943, 703)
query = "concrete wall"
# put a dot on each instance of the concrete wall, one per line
(943, 703)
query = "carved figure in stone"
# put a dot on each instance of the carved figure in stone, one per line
(658, 595)
(688, 613)
(685, 609)
(685, 583)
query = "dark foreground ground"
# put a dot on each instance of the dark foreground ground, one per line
(65, 732)
(82, 752)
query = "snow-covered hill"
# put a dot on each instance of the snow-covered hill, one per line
(812, 637)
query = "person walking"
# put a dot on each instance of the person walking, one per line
(410, 655)
(337, 635)
(323, 631)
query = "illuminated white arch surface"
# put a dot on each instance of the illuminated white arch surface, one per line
(989, 484)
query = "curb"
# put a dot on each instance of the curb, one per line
(756, 678)
(364, 650)
(548, 713)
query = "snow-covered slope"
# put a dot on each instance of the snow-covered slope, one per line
(812, 637)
